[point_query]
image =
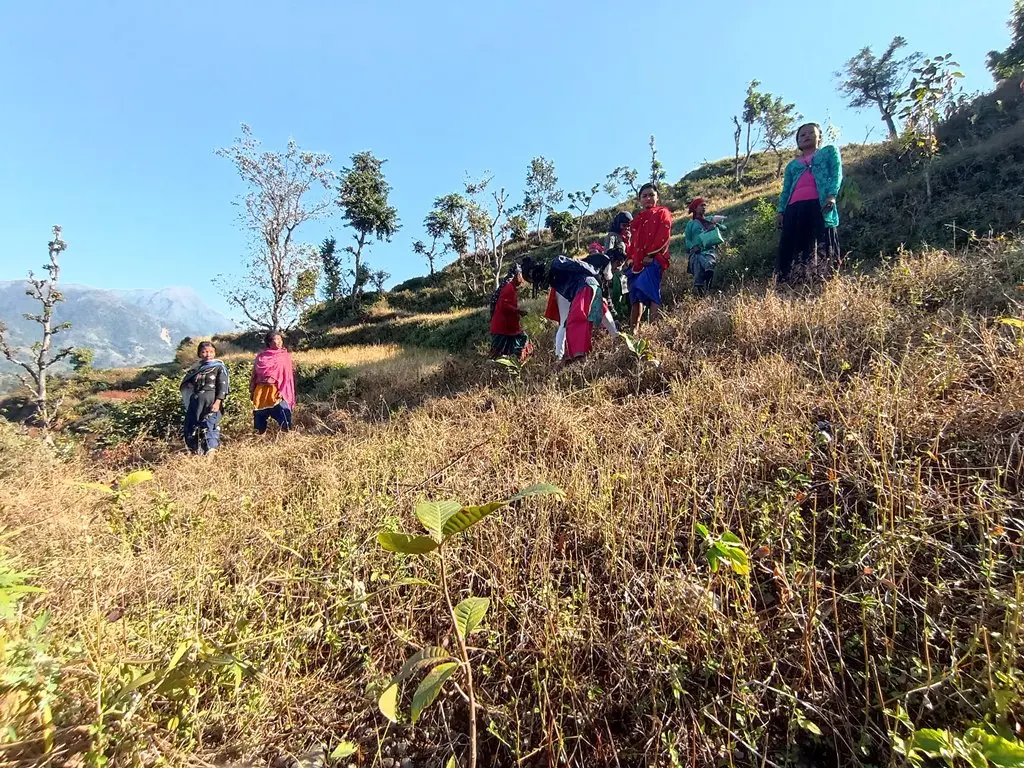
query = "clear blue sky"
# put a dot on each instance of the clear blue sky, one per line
(111, 110)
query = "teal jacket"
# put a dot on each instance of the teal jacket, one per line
(827, 167)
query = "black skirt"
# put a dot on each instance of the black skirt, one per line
(808, 250)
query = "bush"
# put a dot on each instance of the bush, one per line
(749, 253)
(561, 225)
(159, 412)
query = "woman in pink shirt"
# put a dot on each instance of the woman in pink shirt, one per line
(808, 218)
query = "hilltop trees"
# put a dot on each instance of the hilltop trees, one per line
(330, 263)
(657, 169)
(877, 81)
(1008, 63)
(623, 174)
(363, 199)
(778, 121)
(542, 192)
(580, 203)
(285, 190)
(47, 293)
(752, 107)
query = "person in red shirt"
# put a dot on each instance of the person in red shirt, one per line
(650, 232)
(507, 336)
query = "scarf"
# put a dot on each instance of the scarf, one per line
(190, 378)
(274, 366)
(649, 234)
(622, 219)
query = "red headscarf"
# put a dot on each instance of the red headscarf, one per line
(650, 231)
(695, 204)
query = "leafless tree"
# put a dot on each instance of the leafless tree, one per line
(47, 293)
(286, 189)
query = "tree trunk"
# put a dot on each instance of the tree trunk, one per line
(736, 163)
(890, 124)
(540, 224)
(357, 256)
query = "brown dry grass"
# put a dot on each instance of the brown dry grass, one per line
(863, 441)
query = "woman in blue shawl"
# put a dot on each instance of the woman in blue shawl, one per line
(202, 392)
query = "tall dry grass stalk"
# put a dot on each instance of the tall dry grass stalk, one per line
(863, 442)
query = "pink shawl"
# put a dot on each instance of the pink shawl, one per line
(274, 366)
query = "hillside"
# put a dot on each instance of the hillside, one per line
(791, 535)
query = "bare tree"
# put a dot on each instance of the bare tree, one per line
(46, 292)
(278, 202)
(436, 248)
(492, 223)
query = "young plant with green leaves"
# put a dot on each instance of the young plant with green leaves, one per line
(724, 549)
(930, 98)
(643, 353)
(444, 520)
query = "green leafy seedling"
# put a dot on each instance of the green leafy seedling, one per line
(725, 549)
(442, 520)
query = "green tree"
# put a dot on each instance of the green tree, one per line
(305, 287)
(330, 263)
(930, 98)
(560, 224)
(82, 360)
(281, 197)
(878, 81)
(778, 121)
(753, 105)
(47, 293)
(542, 192)
(431, 253)
(1009, 63)
(449, 223)
(379, 277)
(363, 198)
(622, 175)
(490, 219)
(520, 228)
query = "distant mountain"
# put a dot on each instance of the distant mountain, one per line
(123, 328)
(178, 307)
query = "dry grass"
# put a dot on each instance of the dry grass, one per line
(863, 442)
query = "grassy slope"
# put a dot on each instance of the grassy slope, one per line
(862, 442)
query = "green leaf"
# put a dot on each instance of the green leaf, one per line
(702, 530)
(140, 476)
(1000, 751)
(138, 682)
(96, 487)
(344, 749)
(738, 560)
(933, 742)
(434, 515)
(732, 538)
(430, 687)
(180, 651)
(451, 763)
(469, 613)
(406, 543)
(469, 516)
(425, 657)
(388, 703)
(1012, 321)
(540, 489)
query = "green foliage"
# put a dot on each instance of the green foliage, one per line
(541, 192)
(778, 121)
(877, 81)
(560, 224)
(82, 359)
(443, 520)
(724, 549)
(1010, 62)
(330, 264)
(160, 414)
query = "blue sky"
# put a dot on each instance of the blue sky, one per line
(112, 110)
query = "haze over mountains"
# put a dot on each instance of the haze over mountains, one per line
(122, 327)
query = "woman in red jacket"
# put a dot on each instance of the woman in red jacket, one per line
(650, 232)
(507, 336)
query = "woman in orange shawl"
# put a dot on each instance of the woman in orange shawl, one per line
(650, 231)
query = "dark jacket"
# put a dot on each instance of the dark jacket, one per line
(206, 378)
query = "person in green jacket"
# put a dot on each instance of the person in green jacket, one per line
(807, 213)
(702, 257)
